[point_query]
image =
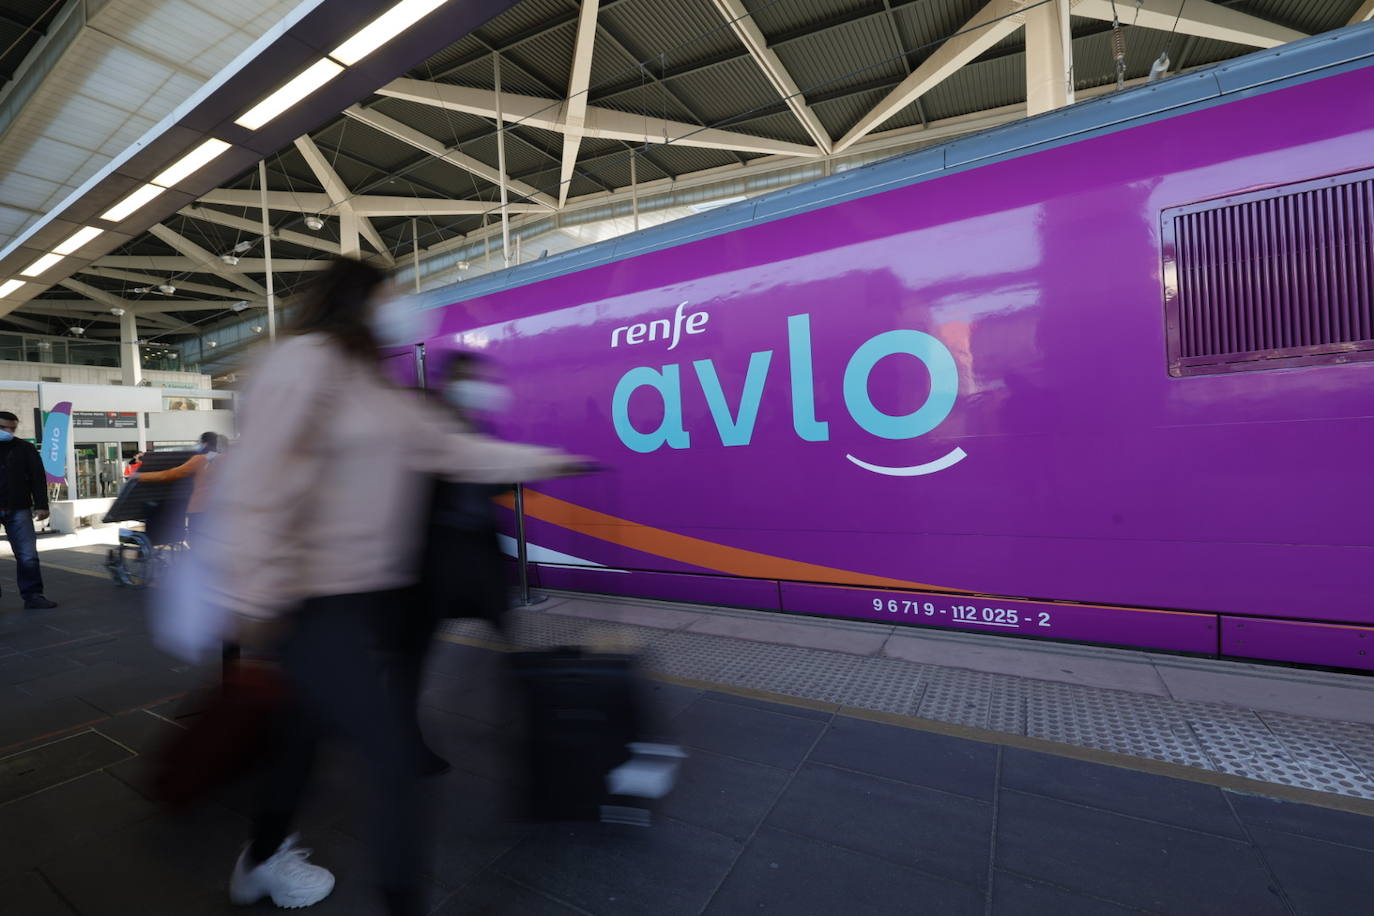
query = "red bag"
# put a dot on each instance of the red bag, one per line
(226, 739)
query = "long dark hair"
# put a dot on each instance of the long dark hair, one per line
(337, 304)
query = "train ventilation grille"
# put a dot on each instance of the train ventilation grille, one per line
(1278, 278)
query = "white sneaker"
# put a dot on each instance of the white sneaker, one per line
(286, 877)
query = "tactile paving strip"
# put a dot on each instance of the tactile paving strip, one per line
(1292, 750)
(1112, 720)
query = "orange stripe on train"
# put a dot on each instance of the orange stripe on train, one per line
(695, 551)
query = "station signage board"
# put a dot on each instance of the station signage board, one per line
(94, 419)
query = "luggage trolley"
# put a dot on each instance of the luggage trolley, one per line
(142, 554)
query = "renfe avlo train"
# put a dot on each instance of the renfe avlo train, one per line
(1101, 375)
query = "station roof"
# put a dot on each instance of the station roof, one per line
(628, 98)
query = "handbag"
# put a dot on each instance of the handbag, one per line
(225, 739)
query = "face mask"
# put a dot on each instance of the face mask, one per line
(400, 322)
(6, 435)
(483, 397)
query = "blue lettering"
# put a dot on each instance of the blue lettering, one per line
(803, 384)
(669, 432)
(944, 384)
(737, 430)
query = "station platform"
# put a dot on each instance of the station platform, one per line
(834, 767)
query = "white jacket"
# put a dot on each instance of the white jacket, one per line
(323, 494)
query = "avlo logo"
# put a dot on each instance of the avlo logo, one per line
(738, 428)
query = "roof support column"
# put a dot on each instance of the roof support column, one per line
(634, 187)
(415, 251)
(1049, 57)
(267, 253)
(130, 360)
(349, 245)
(501, 165)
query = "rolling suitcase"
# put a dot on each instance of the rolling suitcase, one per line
(584, 755)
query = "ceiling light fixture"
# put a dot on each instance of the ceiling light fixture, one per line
(117, 312)
(134, 201)
(319, 73)
(77, 240)
(314, 223)
(166, 289)
(212, 343)
(10, 286)
(242, 247)
(240, 305)
(231, 259)
(77, 330)
(257, 329)
(196, 159)
(384, 28)
(38, 267)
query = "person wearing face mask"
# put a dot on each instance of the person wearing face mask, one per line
(198, 468)
(313, 558)
(23, 497)
(462, 566)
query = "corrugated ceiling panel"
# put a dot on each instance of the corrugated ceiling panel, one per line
(784, 17)
(613, 170)
(548, 57)
(840, 114)
(449, 127)
(924, 26)
(683, 159)
(652, 100)
(673, 32)
(853, 55)
(595, 146)
(459, 53)
(1309, 16)
(521, 19)
(987, 84)
(732, 88)
(370, 145)
(780, 126)
(481, 74)
(521, 154)
(612, 67)
(1206, 50)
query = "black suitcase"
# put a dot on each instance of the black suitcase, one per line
(584, 717)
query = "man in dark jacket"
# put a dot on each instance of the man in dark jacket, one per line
(23, 495)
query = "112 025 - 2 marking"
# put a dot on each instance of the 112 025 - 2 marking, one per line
(1008, 618)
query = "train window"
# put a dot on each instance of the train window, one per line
(1272, 279)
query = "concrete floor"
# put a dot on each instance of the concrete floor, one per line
(788, 804)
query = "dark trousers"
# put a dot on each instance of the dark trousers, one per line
(331, 664)
(24, 542)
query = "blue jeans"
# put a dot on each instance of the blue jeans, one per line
(24, 542)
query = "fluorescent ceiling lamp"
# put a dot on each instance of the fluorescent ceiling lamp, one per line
(10, 286)
(77, 240)
(384, 28)
(131, 203)
(200, 156)
(42, 264)
(319, 73)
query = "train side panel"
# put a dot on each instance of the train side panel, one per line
(955, 387)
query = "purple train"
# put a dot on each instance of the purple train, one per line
(1100, 375)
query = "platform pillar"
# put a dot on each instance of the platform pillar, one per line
(1049, 57)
